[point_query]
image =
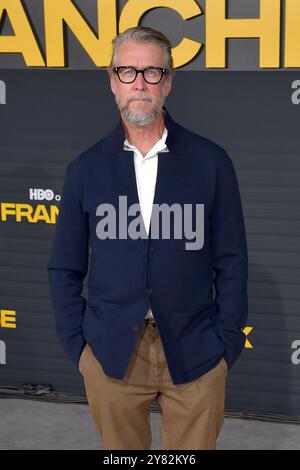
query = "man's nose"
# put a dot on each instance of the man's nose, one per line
(139, 83)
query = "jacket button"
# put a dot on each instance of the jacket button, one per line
(151, 248)
(148, 291)
(135, 327)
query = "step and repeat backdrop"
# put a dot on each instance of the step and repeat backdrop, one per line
(55, 102)
(50, 118)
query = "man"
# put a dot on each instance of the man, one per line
(151, 328)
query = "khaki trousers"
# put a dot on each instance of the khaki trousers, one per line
(192, 414)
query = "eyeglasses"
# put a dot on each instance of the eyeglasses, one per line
(151, 75)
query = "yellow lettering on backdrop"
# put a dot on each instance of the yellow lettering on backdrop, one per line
(292, 34)
(266, 28)
(7, 319)
(40, 214)
(7, 208)
(54, 211)
(247, 330)
(23, 41)
(97, 45)
(25, 212)
(135, 9)
(98, 48)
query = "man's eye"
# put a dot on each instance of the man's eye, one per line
(128, 72)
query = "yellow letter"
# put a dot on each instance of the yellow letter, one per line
(135, 9)
(247, 330)
(54, 210)
(23, 41)
(99, 49)
(7, 208)
(292, 34)
(24, 210)
(41, 214)
(7, 318)
(266, 28)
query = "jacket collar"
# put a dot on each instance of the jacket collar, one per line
(176, 139)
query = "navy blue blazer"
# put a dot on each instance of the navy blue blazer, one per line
(198, 297)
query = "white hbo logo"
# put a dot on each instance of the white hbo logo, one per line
(38, 194)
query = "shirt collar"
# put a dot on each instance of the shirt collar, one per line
(179, 140)
(160, 145)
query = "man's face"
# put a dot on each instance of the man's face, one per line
(140, 102)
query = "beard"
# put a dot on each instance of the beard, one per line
(139, 116)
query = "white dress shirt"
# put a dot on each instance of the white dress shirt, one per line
(146, 173)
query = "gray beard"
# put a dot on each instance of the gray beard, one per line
(141, 118)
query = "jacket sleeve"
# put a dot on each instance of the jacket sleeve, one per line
(230, 261)
(68, 264)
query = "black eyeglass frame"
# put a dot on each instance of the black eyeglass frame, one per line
(142, 71)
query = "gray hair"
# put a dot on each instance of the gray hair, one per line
(147, 35)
